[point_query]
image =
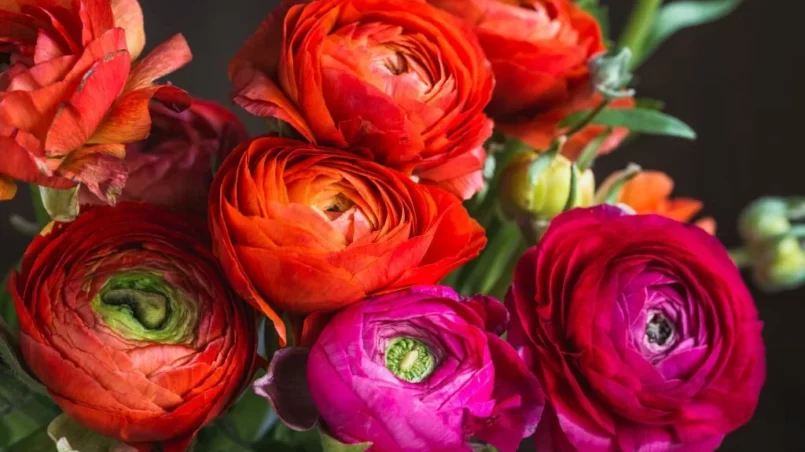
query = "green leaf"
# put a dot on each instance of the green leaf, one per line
(11, 365)
(214, 439)
(678, 15)
(61, 205)
(252, 417)
(490, 265)
(330, 444)
(646, 103)
(637, 120)
(70, 436)
(307, 441)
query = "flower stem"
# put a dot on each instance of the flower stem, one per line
(42, 216)
(638, 27)
(741, 257)
(578, 127)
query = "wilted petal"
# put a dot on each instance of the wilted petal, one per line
(285, 385)
(164, 59)
(129, 16)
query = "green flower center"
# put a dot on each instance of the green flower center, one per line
(409, 359)
(142, 306)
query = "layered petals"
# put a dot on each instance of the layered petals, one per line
(640, 330)
(303, 228)
(539, 51)
(126, 318)
(400, 79)
(418, 369)
(72, 84)
(173, 166)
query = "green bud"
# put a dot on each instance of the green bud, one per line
(779, 264)
(610, 73)
(143, 306)
(409, 359)
(545, 193)
(764, 219)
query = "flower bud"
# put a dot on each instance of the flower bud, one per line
(542, 186)
(610, 73)
(767, 218)
(779, 265)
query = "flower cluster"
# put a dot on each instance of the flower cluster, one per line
(417, 148)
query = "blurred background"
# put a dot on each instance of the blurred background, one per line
(736, 82)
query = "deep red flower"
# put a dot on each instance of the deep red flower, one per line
(127, 319)
(173, 167)
(640, 330)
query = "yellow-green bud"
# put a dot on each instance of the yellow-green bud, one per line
(778, 265)
(764, 219)
(543, 194)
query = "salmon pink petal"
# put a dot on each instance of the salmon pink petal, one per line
(78, 118)
(129, 16)
(164, 59)
(100, 168)
(96, 19)
(129, 119)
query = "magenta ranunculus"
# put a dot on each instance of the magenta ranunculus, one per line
(641, 331)
(173, 166)
(422, 369)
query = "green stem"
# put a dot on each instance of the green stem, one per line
(42, 216)
(588, 119)
(638, 27)
(741, 256)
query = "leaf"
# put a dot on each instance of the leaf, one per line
(678, 15)
(646, 103)
(330, 444)
(638, 120)
(11, 365)
(214, 439)
(61, 205)
(70, 436)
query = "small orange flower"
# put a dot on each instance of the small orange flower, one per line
(650, 191)
(71, 96)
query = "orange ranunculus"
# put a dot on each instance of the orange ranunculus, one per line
(400, 78)
(539, 51)
(650, 191)
(70, 94)
(303, 228)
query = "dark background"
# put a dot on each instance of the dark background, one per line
(736, 82)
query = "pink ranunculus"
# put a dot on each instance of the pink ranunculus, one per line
(641, 332)
(419, 369)
(173, 167)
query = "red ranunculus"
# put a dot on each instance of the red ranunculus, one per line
(640, 330)
(303, 228)
(128, 321)
(539, 51)
(71, 95)
(397, 77)
(173, 167)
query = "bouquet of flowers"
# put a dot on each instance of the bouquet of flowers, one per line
(415, 255)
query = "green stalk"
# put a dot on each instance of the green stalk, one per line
(638, 27)
(42, 216)
(741, 256)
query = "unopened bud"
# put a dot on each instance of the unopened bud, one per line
(543, 186)
(779, 264)
(610, 73)
(764, 219)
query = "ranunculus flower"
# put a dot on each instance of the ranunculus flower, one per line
(173, 166)
(650, 192)
(71, 94)
(303, 228)
(641, 331)
(419, 369)
(399, 78)
(539, 51)
(126, 318)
